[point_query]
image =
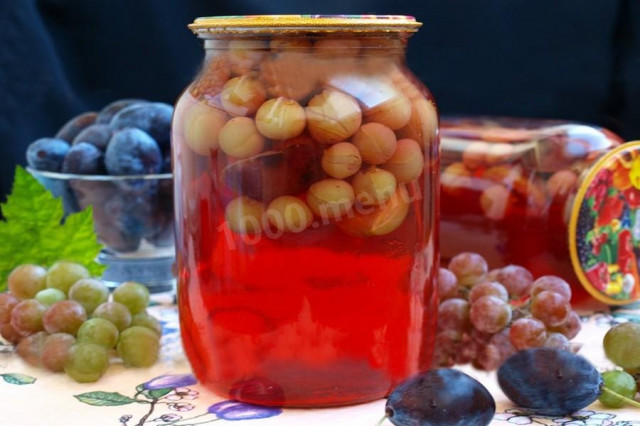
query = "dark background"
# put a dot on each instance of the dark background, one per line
(571, 59)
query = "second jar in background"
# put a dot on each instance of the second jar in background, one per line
(558, 198)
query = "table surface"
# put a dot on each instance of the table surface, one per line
(33, 397)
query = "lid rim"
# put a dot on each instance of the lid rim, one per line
(304, 23)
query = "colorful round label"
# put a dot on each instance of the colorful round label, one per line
(604, 232)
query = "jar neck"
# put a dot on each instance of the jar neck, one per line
(387, 46)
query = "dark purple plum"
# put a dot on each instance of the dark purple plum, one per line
(166, 162)
(153, 118)
(92, 192)
(160, 221)
(107, 113)
(120, 222)
(84, 159)
(549, 382)
(133, 152)
(96, 134)
(47, 154)
(441, 397)
(71, 128)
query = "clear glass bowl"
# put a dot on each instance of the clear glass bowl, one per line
(133, 218)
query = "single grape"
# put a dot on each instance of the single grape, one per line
(49, 296)
(62, 275)
(26, 280)
(55, 351)
(488, 288)
(527, 333)
(502, 341)
(138, 346)
(115, 312)
(86, 362)
(481, 337)
(516, 279)
(447, 284)
(467, 350)
(9, 333)
(7, 302)
(622, 345)
(551, 283)
(492, 275)
(26, 317)
(65, 316)
(145, 319)
(468, 267)
(490, 314)
(621, 383)
(557, 341)
(90, 293)
(454, 314)
(570, 328)
(549, 382)
(132, 295)
(442, 397)
(100, 332)
(488, 358)
(551, 308)
(30, 348)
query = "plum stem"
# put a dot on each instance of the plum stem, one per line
(624, 398)
(381, 420)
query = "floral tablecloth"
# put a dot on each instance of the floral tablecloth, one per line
(168, 395)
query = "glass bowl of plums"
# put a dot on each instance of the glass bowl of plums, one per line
(118, 161)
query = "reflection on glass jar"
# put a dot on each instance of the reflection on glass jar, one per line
(555, 197)
(306, 166)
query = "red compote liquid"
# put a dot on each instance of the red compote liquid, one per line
(316, 318)
(339, 308)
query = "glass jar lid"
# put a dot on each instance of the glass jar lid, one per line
(277, 24)
(604, 228)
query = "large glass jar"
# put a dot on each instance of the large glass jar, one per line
(560, 198)
(306, 172)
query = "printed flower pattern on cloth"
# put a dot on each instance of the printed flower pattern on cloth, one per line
(515, 416)
(170, 392)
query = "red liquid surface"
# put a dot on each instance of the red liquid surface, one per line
(316, 318)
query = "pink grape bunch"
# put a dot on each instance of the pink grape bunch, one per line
(486, 315)
(64, 320)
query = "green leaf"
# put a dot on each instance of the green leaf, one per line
(104, 399)
(18, 379)
(33, 231)
(159, 393)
